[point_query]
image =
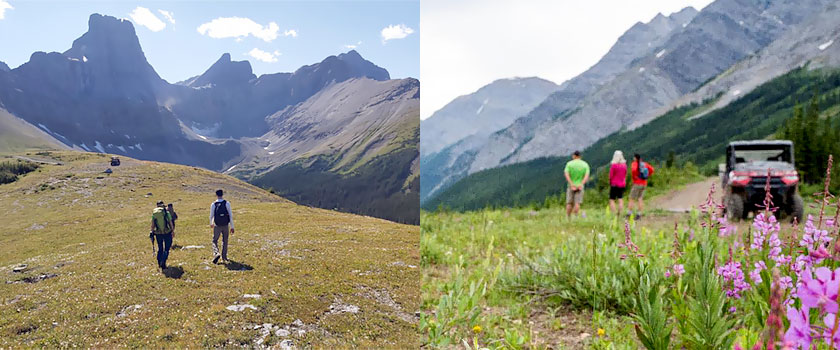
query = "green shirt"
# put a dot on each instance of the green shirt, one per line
(577, 170)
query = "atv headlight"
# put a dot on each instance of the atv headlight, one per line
(790, 179)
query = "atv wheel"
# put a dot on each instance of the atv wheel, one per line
(798, 208)
(735, 208)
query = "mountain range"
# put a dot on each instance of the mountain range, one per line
(721, 53)
(102, 95)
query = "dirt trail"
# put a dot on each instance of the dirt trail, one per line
(692, 195)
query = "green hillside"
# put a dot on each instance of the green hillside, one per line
(308, 277)
(701, 141)
(18, 135)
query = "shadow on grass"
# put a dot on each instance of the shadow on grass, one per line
(173, 272)
(238, 266)
(175, 246)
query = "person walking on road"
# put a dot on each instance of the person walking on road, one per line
(640, 172)
(618, 181)
(162, 231)
(577, 174)
(221, 219)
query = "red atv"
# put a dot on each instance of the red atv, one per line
(748, 164)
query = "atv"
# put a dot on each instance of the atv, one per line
(748, 164)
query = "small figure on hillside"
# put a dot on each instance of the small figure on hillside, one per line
(162, 233)
(221, 217)
(618, 181)
(171, 209)
(577, 174)
(640, 172)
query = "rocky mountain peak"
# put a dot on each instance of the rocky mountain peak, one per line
(225, 72)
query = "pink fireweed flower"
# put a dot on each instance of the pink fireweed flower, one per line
(819, 254)
(628, 241)
(834, 340)
(812, 235)
(733, 278)
(667, 273)
(799, 332)
(726, 229)
(755, 274)
(822, 291)
(786, 282)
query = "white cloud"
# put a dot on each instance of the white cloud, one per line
(260, 55)
(146, 18)
(291, 32)
(169, 16)
(4, 5)
(398, 31)
(353, 46)
(238, 27)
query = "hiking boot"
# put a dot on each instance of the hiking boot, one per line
(216, 259)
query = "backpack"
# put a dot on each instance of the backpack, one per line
(220, 214)
(162, 221)
(644, 172)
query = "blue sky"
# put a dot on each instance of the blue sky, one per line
(283, 35)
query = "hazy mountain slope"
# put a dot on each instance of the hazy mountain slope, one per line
(17, 135)
(100, 96)
(336, 277)
(813, 42)
(228, 100)
(754, 115)
(470, 156)
(4, 67)
(724, 33)
(491, 108)
(352, 146)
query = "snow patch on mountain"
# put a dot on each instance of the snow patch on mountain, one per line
(826, 45)
(481, 108)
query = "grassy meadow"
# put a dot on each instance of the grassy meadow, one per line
(526, 278)
(78, 268)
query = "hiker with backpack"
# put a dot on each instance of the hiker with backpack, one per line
(577, 173)
(221, 218)
(640, 172)
(161, 231)
(618, 181)
(174, 216)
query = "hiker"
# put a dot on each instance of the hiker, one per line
(162, 231)
(618, 181)
(577, 173)
(640, 172)
(174, 216)
(221, 217)
(171, 210)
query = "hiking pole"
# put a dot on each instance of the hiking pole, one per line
(152, 238)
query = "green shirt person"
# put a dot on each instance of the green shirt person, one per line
(577, 174)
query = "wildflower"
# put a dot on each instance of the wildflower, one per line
(799, 332)
(821, 292)
(726, 229)
(733, 278)
(476, 329)
(775, 324)
(667, 273)
(829, 320)
(601, 332)
(679, 269)
(786, 282)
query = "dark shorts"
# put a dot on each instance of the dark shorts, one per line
(616, 192)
